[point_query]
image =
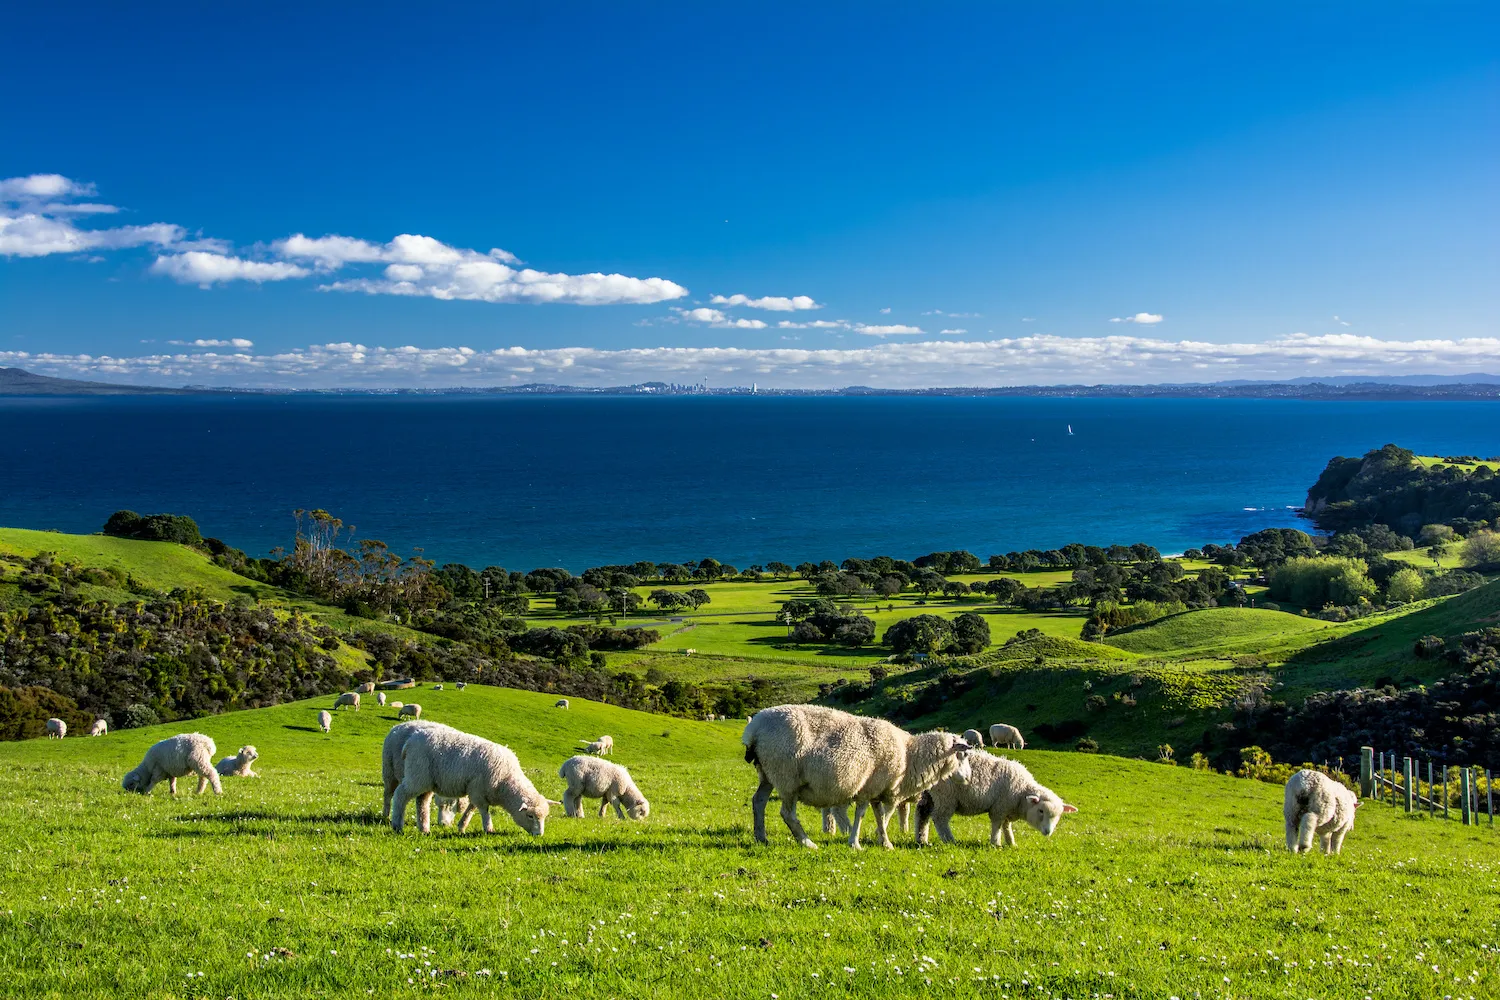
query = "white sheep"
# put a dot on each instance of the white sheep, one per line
(170, 759)
(611, 784)
(325, 721)
(380, 698)
(443, 761)
(99, 728)
(603, 746)
(414, 710)
(1002, 735)
(974, 738)
(826, 758)
(1317, 808)
(349, 699)
(238, 766)
(397, 704)
(56, 729)
(461, 685)
(999, 787)
(437, 687)
(560, 703)
(392, 767)
(367, 687)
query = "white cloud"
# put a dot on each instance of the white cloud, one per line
(718, 320)
(1339, 321)
(239, 342)
(951, 315)
(892, 330)
(952, 332)
(423, 266)
(885, 310)
(814, 324)
(198, 267)
(1145, 319)
(37, 220)
(771, 303)
(1011, 361)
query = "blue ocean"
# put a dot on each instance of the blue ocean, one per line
(576, 481)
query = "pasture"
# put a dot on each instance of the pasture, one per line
(1168, 882)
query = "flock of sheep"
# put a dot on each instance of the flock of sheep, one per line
(806, 754)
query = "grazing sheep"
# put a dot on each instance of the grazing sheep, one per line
(1002, 735)
(238, 766)
(611, 784)
(437, 687)
(170, 759)
(325, 721)
(393, 768)
(380, 698)
(367, 687)
(99, 728)
(998, 786)
(443, 761)
(56, 729)
(414, 710)
(1317, 808)
(560, 703)
(974, 738)
(349, 699)
(824, 758)
(396, 704)
(461, 685)
(602, 746)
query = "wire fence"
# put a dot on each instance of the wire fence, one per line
(1466, 794)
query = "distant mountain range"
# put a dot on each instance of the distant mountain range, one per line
(18, 382)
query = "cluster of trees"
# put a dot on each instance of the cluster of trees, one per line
(154, 528)
(966, 634)
(1388, 486)
(1071, 556)
(823, 620)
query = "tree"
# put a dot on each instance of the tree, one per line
(858, 632)
(955, 589)
(1313, 582)
(1481, 550)
(889, 586)
(807, 570)
(805, 632)
(971, 633)
(697, 598)
(929, 581)
(1406, 585)
(919, 634)
(779, 570)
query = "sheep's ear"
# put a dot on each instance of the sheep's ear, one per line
(553, 802)
(1069, 809)
(1033, 799)
(1358, 804)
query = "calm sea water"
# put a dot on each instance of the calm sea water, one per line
(578, 481)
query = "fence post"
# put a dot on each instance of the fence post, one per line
(1445, 788)
(1431, 794)
(1366, 772)
(1489, 795)
(1407, 770)
(1465, 777)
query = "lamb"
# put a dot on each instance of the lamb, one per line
(392, 767)
(172, 758)
(366, 688)
(611, 784)
(461, 685)
(437, 687)
(443, 761)
(238, 766)
(825, 758)
(325, 721)
(602, 746)
(1317, 807)
(380, 698)
(1000, 787)
(560, 703)
(56, 729)
(974, 738)
(99, 728)
(1002, 735)
(349, 699)
(414, 710)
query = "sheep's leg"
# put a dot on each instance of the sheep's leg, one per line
(424, 812)
(758, 808)
(1010, 834)
(573, 804)
(603, 805)
(903, 813)
(618, 811)
(466, 818)
(1327, 843)
(152, 780)
(828, 823)
(854, 824)
(172, 786)
(1307, 829)
(793, 821)
(485, 819)
(385, 807)
(882, 821)
(945, 833)
(997, 829)
(398, 807)
(924, 819)
(1291, 835)
(209, 775)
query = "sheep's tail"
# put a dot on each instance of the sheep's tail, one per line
(750, 757)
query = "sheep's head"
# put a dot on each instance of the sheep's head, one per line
(132, 782)
(531, 815)
(963, 770)
(636, 806)
(248, 754)
(1042, 812)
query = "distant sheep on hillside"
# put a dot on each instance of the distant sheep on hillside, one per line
(602, 746)
(325, 721)
(1003, 735)
(56, 729)
(974, 738)
(560, 703)
(380, 698)
(349, 699)
(238, 766)
(99, 728)
(1317, 808)
(413, 710)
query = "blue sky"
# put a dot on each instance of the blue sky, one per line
(962, 194)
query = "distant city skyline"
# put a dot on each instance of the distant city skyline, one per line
(802, 198)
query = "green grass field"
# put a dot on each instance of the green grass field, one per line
(1213, 630)
(1168, 882)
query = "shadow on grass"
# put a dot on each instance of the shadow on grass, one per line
(351, 817)
(302, 729)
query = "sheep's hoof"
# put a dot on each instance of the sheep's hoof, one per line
(888, 845)
(809, 844)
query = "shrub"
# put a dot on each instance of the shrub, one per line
(1087, 745)
(1481, 550)
(1406, 585)
(138, 715)
(1200, 762)
(1319, 580)
(177, 528)
(1095, 703)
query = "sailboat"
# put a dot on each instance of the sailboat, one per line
(1070, 430)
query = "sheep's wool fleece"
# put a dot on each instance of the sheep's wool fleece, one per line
(829, 757)
(1315, 792)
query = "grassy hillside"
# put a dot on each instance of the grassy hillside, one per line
(288, 886)
(1213, 630)
(159, 565)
